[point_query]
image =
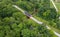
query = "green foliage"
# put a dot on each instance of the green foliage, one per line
(14, 24)
(58, 24)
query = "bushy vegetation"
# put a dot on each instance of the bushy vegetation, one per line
(14, 24)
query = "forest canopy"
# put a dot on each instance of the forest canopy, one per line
(14, 23)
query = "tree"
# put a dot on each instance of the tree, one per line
(14, 24)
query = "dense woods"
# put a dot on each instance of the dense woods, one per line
(14, 23)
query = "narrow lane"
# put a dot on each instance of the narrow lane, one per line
(54, 5)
